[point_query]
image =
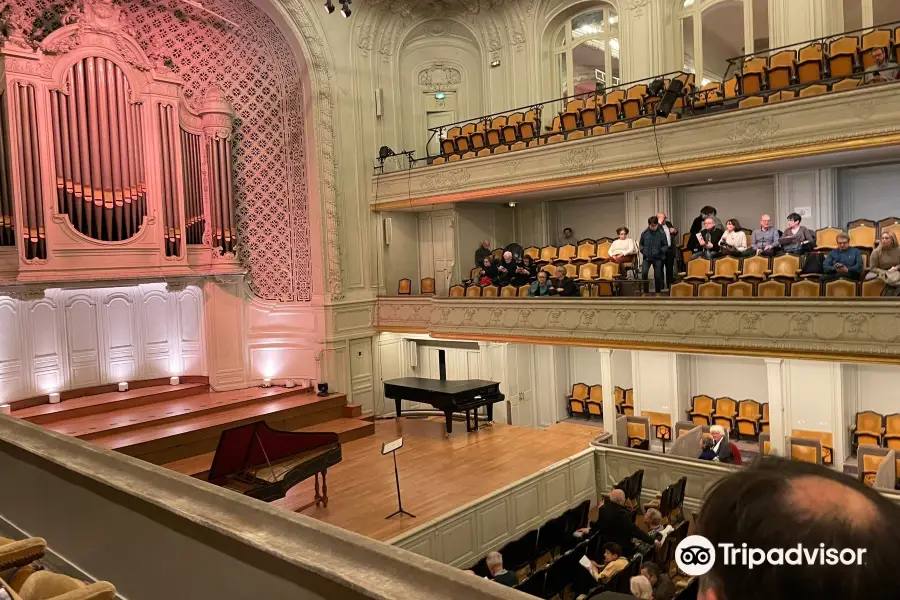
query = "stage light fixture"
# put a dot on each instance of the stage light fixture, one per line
(385, 152)
(656, 86)
(329, 6)
(667, 102)
(345, 8)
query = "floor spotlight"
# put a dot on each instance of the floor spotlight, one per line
(345, 9)
(329, 6)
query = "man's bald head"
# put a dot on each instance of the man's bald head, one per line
(780, 503)
(617, 496)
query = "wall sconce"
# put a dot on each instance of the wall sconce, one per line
(123, 386)
(267, 382)
(290, 383)
(174, 380)
(54, 398)
(495, 63)
(5, 409)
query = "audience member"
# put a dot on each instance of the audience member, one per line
(843, 262)
(721, 449)
(764, 240)
(706, 449)
(653, 248)
(733, 241)
(488, 271)
(568, 237)
(498, 573)
(483, 251)
(507, 271)
(797, 239)
(884, 263)
(613, 562)
(663, 586)
(623, 249)
(780, 503)
(882, 70)
(671, 246)
(527, 269)
(614, 524)
(699, 224)
(540, 287)
(562, 284)
(641, 588)
(653, 519)
(708, 239)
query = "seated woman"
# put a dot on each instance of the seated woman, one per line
(541, 287)
(527, 270)
(733, 242)
(488, 271)
(623, 249)
(884, 263)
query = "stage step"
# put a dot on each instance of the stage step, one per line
(347, 430)
(157, 413)
(43, 414)
(188, 436)
(352, 411)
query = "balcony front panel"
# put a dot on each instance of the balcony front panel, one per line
(860, 119)
(848, 330)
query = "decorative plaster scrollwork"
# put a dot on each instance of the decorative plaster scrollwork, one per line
(753, 130)
(582, 158)
(448, 179)
(636, 6)
(439, 77)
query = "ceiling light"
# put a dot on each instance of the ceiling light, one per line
(512, 204)
(495, 63)
(613, 19)
(688, 3)
(329, 6)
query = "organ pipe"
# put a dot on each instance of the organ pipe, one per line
(97, 139)
(193, 187)
(7, 230)
(170, 212)
(217, 129)
(32, 231)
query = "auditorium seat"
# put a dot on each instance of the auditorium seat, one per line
(490, 291)
(638, 432)
(764, 421)
(825, 440)
(868, 429)
(810, 63)
(755, 268)
(585, 251)
(404, 287)
(599, 130)
(530, 126)
(892, 431)
(730, 87)
(681, 289)
(880, 38)
(619, 399)
(781, 69)
(771, 289)
(492, 134)
(806, 450)
(426, 286)
(501, 149)
(477, 139)
(628, 405)
(871, 288)
(633, 103)
(698, 269)
(18, 553)
(786, 266)
(739, 289)
(577, 399)
(483, 152)
(523, 290)
(533, 251)
(468, 155)
(463, 143)
(587, 272)
(548, 254)
(805, 289)
(438, 160)
(575, 135)
(726, 269)
(752, 75)
(609, 110)
(748, 418)
(848, 83)
(842, 56)
(473, 291)
(863, 234)
(642, 122)
(508, 291)
(725, 412)
(570, 116)
(617, 127)
(701, 410)
(826, 238)
(868, 468)
(594, 403)
(588, 115)
(781, 96)
(457, 291)
(509, 133)
(565, 253)
(518, 146)
(709, 95)
(890, 224)
(751, 102)
(603, 245)
(813, 90)
(710, 289)
(840, 288)
(497, 254)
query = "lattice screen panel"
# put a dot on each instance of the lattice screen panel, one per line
(256, 69)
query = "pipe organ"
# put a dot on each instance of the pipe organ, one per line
(106, 171)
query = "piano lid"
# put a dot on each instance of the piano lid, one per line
(239, 449)
(438, 386)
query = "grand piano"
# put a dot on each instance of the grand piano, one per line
(447, 396)
(265, 463)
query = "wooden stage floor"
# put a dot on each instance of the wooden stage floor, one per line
(437, 474)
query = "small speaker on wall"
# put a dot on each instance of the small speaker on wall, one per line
(413, 354)
(388, 231)
(379, 102)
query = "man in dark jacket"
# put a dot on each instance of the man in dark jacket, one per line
(562, 285)
(654, 249)
(507, 271)
(663, 587)
(708, 239)
(483, 251)
(670, 232)
(614, 524)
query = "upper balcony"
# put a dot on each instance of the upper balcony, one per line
(780, 109)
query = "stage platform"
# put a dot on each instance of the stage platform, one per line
(437, 474)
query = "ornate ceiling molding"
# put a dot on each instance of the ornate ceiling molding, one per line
(848, 330)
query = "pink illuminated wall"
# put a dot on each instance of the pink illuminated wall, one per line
(257, 71)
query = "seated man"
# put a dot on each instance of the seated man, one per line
(563, 285)
(494, 562)
(797, 239)
(508, 271)
(613, 562)
(882, 70)
(764, 241)
(708, 239)
(843, 262)
(541, 287)
(663, 587)
(785, 504)
(614, 524)
(721, 449)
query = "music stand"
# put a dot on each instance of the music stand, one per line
(392, 447)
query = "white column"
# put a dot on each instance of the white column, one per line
(814, 190)
(777, 415)
(794, 21)
(609, 400)
(637, 34)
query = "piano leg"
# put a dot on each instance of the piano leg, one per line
(397, 406)
(325, 489)
(318, 496)
(448, 416)
(490, 413)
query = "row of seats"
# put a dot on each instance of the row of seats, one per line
(874, 429)
(806, 288)
(746, 417)
(839, 58)
(25, 578)
(587, 401)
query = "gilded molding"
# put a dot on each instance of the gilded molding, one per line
(854, 330)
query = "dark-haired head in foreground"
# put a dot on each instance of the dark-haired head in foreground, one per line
(780, 503)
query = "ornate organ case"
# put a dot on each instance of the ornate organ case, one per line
(105, 171)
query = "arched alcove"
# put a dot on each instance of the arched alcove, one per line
(440, 69)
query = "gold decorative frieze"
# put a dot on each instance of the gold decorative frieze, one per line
(851, 329)
(862, 118)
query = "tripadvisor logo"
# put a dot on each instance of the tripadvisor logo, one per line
(696, 555)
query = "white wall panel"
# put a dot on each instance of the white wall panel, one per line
(732, 376)
(78, 338)
(589, 218)
(744, 200)
(876, 388)
(810, 391)
(869, 192)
